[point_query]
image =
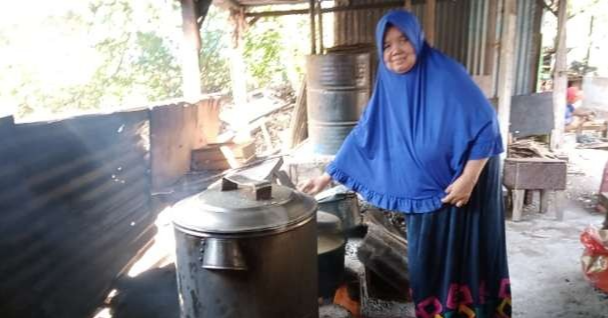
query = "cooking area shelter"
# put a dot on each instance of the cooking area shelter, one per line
(95, 205)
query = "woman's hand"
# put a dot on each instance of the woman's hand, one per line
(459, 192)
(315, 185)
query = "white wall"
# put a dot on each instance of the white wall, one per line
(596, 93)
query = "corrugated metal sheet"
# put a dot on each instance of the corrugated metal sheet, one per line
(356, 27)
(452, 28)
(467, 30)
(75, 204)
(527, 47)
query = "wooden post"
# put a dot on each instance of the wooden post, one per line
(545, 197)
(313, 36)
(191, 45)
(518, 203)
(408, 5)
(506, 71)
(320, 12)
(560, 77)
(238, 71)
(491, 44)
(429, 21)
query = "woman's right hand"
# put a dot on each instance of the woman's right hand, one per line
(315, 185)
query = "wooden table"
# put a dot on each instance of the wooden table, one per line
(536, 174)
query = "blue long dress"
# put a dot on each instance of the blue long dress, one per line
(416, 135)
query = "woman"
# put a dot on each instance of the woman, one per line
(427, 146)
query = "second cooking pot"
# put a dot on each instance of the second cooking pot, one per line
(331, 246)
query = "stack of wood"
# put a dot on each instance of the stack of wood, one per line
(384, 251)
(222, 156)
(530, 148)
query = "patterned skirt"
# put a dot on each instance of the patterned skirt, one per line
(457, 256)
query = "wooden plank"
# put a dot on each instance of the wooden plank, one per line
(171, 133)
(208, 121)
(299, 119)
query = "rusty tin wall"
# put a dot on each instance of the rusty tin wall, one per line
(75, 205)
(467, 30)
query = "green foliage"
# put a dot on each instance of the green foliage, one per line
(263, 54)
(90, 55)
(215, 71)
(111, 54)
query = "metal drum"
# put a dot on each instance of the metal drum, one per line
(246, 249)
(338, 88)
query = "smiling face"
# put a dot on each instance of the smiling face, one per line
(398, 52)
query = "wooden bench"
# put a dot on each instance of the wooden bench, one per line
(536, 174)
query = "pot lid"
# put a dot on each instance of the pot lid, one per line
(339, 192)
(243, 205)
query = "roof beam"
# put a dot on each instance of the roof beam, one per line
(386, 5)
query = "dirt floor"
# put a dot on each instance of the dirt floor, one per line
(544, 257)
(544, 254)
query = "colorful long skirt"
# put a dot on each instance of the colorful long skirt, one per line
(457, 256)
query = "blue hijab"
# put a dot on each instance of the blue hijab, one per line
(418, 130)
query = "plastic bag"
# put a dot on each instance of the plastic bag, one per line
(595, 257)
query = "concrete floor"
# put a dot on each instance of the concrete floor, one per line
(543, 254)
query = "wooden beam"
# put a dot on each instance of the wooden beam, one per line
(191, 45)
(536, 47)
(320, 13)
(560, 76)
(313, 29)
(491, 45)
(408, 5)
(506, 71)
(238, 71)
(385, 5)
(429, 21)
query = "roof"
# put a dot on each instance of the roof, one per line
(252, 3)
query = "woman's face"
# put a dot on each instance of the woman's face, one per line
(399, 54)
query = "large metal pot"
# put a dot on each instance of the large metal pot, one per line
(246, 252)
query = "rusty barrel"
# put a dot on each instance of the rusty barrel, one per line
(338, 88)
